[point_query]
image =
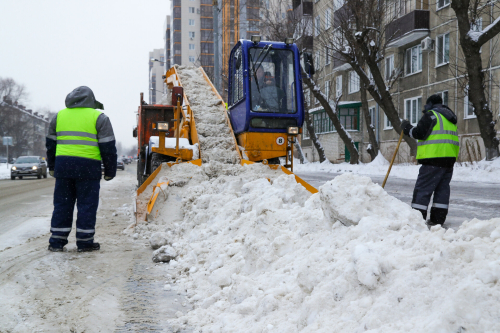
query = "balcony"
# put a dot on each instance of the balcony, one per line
(408, 28)
(303, 7)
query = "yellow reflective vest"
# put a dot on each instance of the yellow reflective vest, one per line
(77, 133)
(442, 142)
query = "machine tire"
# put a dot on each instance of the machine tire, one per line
(140, 169)
(39, 176)
(158, 159)
(12, 178)
(20, 177)
(275, 160)
(45, 174)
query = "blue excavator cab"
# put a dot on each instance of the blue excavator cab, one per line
(265, 87)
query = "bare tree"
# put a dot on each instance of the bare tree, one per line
(468, 13)
(12, 91)
(359, 40)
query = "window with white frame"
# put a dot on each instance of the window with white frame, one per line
(191, 46)
(191, 34)
(389, 67)
(412, 109)
(413, 61)
(317, 25)
(191, 22)
(328, 18)
(191, 59)
(317, 59)
(443, 49)
(327, 56)
(338, 86)
(468, 107)
(442, 3)
(353, 82)
(327, 89)
(387, 123)
(444, 96)
(372, 113)
(191, 10)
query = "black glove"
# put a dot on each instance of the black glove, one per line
(108, 178)
(406, 126)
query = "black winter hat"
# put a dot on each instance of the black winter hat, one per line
(434, 99)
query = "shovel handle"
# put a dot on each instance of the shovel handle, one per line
(393, 158)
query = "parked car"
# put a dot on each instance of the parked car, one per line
(33, 166)
(126, 160)
(3, 159)
(120, 164)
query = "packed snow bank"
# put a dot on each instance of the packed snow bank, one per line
(5, 170)
(259, 255)
(482, 171)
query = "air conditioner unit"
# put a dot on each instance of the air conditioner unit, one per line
(427, 44)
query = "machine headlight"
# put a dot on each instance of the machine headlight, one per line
(162, 126)
(289, 41)
(255, 39)
(292, 130)
(34, 167)
(14, 168)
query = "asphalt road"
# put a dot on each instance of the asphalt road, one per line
(468, 200)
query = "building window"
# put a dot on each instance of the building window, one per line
(443, 49)
(317, 59)
(412, 109)
(372, 113)
(328, 15)
(327, 56)
(389, 67)
(191, 59)
(338, 86)
(191, 10)
(387, 123)
(322, 123)
(444, 96)
(191, 46)
(353, 82)
(191, 22)
(327, 89)
(349, 118)
(442, 3)
(413, 63)
(468, 107)
(317, 25)
(191, 34)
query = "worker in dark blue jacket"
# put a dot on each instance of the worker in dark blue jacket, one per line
(437, 151)
(79, 138)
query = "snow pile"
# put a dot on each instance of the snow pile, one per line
(482, 171)
(216, 140)
(5, 170)
(259, 255)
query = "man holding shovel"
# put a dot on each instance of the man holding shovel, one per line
(437, 151)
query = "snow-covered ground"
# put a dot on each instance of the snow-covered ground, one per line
(264, 255)
(5, 171)
(483, 171)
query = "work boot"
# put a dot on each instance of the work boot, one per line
(93, 247)
(431, 224)
(55, 249)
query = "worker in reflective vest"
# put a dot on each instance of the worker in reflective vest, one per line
(79, 138)
(437, 151)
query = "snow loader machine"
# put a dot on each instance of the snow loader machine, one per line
(264, 114)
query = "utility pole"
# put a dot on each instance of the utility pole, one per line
(217, 72)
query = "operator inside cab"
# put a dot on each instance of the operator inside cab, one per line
(272, 81)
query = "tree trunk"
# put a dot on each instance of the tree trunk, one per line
(323, 100)
(300, 152)
(314, 137)
(476, 93)
(373, 149)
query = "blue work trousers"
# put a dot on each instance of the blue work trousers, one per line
(433, 180)
(85, 192)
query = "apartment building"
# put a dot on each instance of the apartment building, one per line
(426, 50)
(167, 42)
(156, 72)
(191, 41)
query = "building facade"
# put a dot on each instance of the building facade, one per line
(425, 51)
(156, 72)
(28, 130)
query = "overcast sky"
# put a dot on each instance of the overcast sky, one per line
(55, 46)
